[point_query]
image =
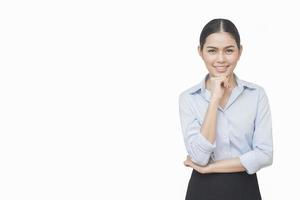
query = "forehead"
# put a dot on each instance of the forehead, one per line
(221, 39)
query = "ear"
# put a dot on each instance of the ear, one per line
(240, 51)
(200, 52)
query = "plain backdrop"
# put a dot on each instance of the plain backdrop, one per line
(89, 94)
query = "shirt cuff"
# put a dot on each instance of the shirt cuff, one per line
(248, 160)
(204, 144)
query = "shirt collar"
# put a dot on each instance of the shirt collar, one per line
(240, 83)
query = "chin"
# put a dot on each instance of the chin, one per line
(227, 72)
(215, 74)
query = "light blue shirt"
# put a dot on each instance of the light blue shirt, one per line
(243, 130)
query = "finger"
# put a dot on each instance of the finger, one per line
(228, 79)
(186, 164)
(226, 83)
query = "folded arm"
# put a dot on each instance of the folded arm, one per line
(222, 166)
(261, 154)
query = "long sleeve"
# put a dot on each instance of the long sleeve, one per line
(261, 154)
(197, 146)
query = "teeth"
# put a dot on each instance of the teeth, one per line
(221, 69)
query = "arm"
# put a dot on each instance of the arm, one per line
(226, 166)
(261, 154)
(198, 137)
(208, 129)
(222, 166)
(262, 145)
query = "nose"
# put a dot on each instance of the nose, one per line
(220, 57)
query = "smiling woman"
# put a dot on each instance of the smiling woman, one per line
(220, 53)
(226, 147)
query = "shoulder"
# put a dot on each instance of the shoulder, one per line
(249, 84)
(257, 90)
(252, 86)
(186, 94)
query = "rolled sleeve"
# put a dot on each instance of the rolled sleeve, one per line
(197, 146)
(255, 160)
(261, 154)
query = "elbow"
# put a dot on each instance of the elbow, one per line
(255, 160)
(199, 149)
(199, 157)
(268, 160)
(265, 160)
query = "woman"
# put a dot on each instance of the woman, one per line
(225, 121)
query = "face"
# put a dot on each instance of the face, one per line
(220, 54)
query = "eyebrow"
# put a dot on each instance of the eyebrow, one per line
(216, 47)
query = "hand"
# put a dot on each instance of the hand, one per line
(188, 162)
(218, 85)
(201, 169)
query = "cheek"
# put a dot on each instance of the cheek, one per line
(233, 59)
(208, 59)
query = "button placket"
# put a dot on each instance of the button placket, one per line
(227, 131)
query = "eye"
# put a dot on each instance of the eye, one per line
(211, 51)
(229, 51)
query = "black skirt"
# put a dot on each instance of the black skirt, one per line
(223, 186)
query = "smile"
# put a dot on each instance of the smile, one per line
(221, 68)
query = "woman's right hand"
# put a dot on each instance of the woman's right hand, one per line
(218, 85)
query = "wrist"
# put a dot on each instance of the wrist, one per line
(209, 168)
(215, 99)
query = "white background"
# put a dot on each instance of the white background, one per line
(89, 94)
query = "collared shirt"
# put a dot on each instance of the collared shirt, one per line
(243, 128)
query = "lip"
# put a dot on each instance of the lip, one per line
(221, 68)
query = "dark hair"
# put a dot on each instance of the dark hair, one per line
(219, 25)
